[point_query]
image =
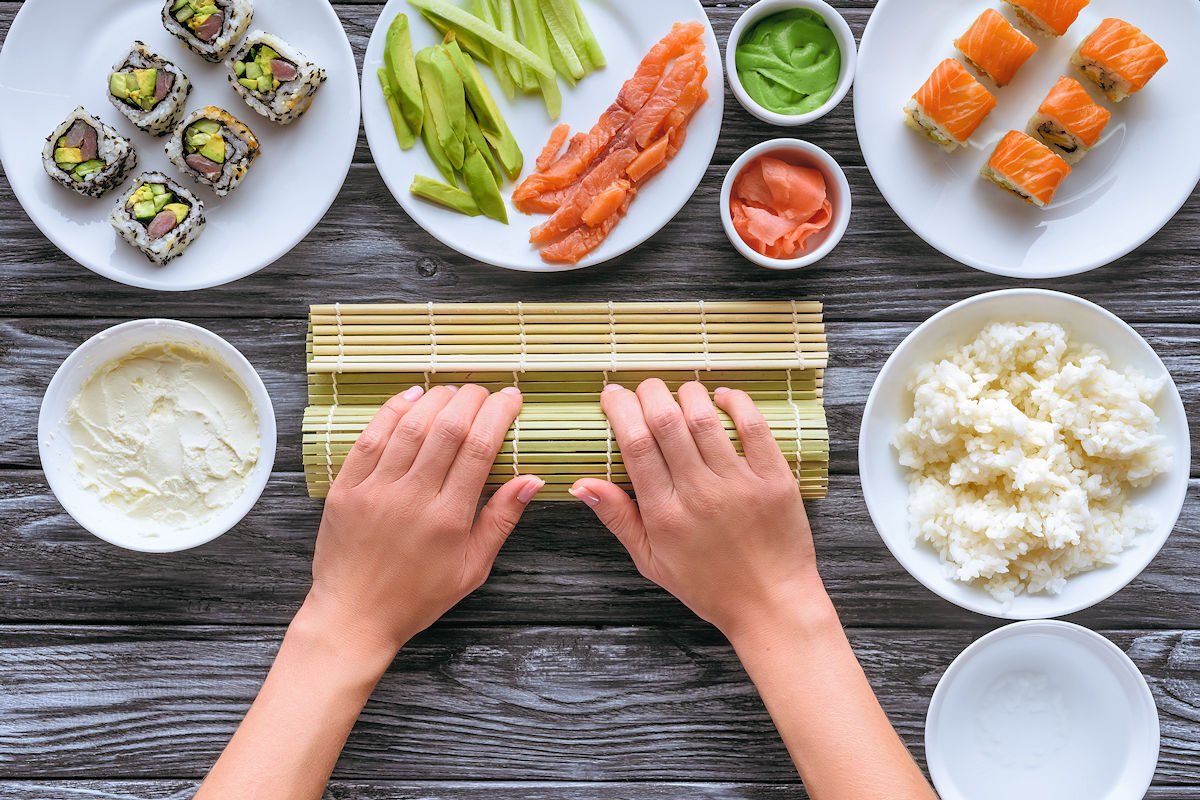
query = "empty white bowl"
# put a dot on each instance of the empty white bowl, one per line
(885, 481)
(845, 40)
(801, 153)
(58, 461)
(1042, 709)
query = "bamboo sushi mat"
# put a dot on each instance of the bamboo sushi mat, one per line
(561, 356)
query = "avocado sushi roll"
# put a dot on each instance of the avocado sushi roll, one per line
(159, 217)
(274, 78)
(149, 90)
(88, 156)
(213, 148)
(210, 28)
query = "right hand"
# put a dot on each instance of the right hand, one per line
(724, 533)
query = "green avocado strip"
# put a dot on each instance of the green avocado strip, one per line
(469, 22)
(404, 134)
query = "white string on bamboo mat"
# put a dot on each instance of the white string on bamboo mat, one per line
(796, 335)
(341, 337)
(608, 438)
(516, 459)
(524, 337)
(612, 337)
(791, 395)
(704, 339)
(335, 401)
(433, 345)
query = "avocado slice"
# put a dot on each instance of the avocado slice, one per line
(402, 66)
(214, 149)
(444, 195)
(436, 153)
(144, 193)
(475, 137)
(206, 126)
(68, 156)
(455, 93)
(404, 134)
(146, 79)
(483, 186)
(181, 211)
(439, 92)
(491, 121)
(117, 86)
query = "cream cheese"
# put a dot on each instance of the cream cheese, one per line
(167, 434)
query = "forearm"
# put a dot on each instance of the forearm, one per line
(816, 692)
(287, 745)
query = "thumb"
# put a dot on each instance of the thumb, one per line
(616, 509)
(502, 513)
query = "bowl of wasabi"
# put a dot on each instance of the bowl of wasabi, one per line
(790, 62)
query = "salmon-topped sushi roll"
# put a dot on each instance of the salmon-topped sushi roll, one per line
(1049, 17)
(1027, 168)
(1119, 58)
(950, 106)
(994, 47)
(1069, 121)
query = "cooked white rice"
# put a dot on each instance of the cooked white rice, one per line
(1023, 447)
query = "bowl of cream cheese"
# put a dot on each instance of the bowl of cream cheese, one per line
(157, 435)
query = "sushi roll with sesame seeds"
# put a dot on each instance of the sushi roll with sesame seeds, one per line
(88, 156)
(274, 78)
(149, 90)
(213, 148)
(159, 217)
(209, 28)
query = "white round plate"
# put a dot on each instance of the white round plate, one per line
(58, 458)
(286, 193)
(1042, 709)
(889, 406)
(626, 31)
(1119, 196)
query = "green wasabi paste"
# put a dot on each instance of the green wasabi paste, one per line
(789, 62)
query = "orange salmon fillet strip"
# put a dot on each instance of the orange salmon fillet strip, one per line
(575, 246)
(606, 203)
(550, 152)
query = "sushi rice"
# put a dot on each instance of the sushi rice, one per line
(162, 250)
(241, 148)
(112, 148)
(288, 102)
(237, 17)
(165, 115)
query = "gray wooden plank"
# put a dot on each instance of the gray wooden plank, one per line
(556, 704)
(561, 567)
(31, 349)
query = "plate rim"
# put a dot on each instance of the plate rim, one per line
(121, 277)
(538, 266)
(861, 123)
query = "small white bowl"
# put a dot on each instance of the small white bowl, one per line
(845, 40)
(889, 406)
(54, 436)
(1042, 709)
(801, 153)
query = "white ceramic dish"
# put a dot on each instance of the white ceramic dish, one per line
(885, 482)
(54, 436)
(626, 32)
(794, 151)
(297, 176)
(845, 39)
(1123, 193)
(1042, 709)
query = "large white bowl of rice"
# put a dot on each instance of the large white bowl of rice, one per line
(1024, 454)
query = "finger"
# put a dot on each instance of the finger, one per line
(502, 513)
(758, 442)
(371, 443)
(469, 472)
(446, 436)
(410, 432)
(707, 429)
(666, 422)
(645, 464)
(616, 509)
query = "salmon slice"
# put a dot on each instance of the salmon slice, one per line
(1073, 109)
(647, 124)
(1052, 17)
(994, 47)
(549, 153)
(649, 160)
(606, 203)
(582, 151)
(953, 100)
(546, 203)
(637, 90)
(570, 214)
(581, 241)
(1027, 168)
(1119, 58)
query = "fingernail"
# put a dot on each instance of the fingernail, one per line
(511, 390)
(613, 387)
(452, 389)
(532, 487)
(587, 496)
(722, 390)
(414, 393)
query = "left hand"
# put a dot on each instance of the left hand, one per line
(400, 542)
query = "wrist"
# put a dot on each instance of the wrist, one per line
(324, 631)
(800, 610)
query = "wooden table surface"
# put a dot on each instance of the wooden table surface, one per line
(567, 676)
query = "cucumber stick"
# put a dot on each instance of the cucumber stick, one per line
(469, 22)
(565, 35)
(533, 26)
(595, 54)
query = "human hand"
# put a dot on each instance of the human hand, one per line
(726, 534)
(400, 541)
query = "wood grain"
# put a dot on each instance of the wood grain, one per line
(494, 703)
